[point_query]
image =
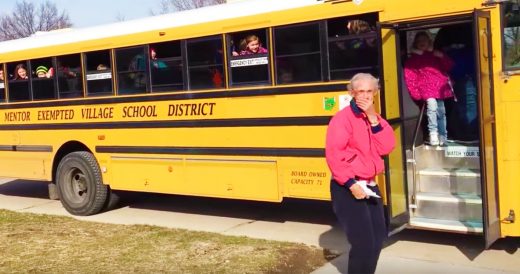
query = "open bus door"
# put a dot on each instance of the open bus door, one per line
(394, 187)
(484, 57)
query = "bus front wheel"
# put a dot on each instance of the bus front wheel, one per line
(80, 186)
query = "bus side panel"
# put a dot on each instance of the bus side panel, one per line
(305, 178)
(24, 165)
(230, 178)
(215, 177)
(508, 136)
(146, 173)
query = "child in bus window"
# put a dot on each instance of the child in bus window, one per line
(251, 45)
(357, 26)
(101, 67)
(154, 62)
(1, 75)
(426, 76)
(20, 72)
(64, 71)
(285, 76)
(42, 72)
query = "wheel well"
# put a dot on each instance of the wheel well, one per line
(65, 149)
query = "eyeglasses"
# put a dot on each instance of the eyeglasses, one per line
(364, 91)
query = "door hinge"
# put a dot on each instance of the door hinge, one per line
(511, 218)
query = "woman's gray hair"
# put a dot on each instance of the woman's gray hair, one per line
(363, 77)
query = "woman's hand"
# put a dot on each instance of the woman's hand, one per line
(368, 108)
(358, 192)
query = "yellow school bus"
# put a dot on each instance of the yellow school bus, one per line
(233, 101)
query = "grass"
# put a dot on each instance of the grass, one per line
(51, 244)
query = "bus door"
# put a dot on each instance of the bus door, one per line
(484, 57)
(394, 187)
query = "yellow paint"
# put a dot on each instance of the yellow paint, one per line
(252, 177)
(397, 176)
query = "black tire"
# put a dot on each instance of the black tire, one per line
(112, 201)
(80, 185)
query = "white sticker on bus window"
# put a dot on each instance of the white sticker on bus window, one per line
(99, 76)
(249, 62)
(1, 85)
(344, 101)
(462, 152)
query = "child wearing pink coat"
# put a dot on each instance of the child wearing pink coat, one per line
(426, 76)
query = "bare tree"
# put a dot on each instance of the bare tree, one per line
(27, 19)
(167, 6)
(120, 17)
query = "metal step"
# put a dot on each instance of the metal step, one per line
(455, 207)
(447, 225)
(449, 180)
(451, 156)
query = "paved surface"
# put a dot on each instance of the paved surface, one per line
(308, 222)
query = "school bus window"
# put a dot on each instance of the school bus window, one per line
(298, 53)
(68, 72)
(352, 46)
(166, 66)
(132, 67)
(205, 65)
(2, 83)
(99, 74)
(43, 84)
(249, 58)
(511, 33)
(19, 89)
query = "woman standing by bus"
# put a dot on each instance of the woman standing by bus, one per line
(357, 137)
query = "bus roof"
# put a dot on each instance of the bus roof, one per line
(171, 20)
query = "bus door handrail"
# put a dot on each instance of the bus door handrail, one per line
(413, 204)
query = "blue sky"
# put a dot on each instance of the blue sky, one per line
(85, 13)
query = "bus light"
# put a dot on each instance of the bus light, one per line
(162, 33)
(101, 137)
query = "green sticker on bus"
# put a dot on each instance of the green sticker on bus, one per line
(329, 103)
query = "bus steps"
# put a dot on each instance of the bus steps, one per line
(447, 191)
(447, 225)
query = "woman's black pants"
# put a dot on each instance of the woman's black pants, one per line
(364, 224)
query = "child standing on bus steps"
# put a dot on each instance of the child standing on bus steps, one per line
(426, 76)
(251, 45)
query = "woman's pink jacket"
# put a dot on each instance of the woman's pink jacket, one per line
(354, 148)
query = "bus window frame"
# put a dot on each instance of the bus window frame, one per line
(373, 20)
(29, 79)
(505, 68)
(180, 58)
(217, 37)
(3, 84)
(86, 72)
(35, 78)
(146, 70)
(323, 53)
(229, 53)
(81, 78)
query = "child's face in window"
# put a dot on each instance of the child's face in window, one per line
(423, 42)
(1, 75)
(253, 46)
(22, 73)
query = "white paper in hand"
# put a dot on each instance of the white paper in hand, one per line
(369, 192)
